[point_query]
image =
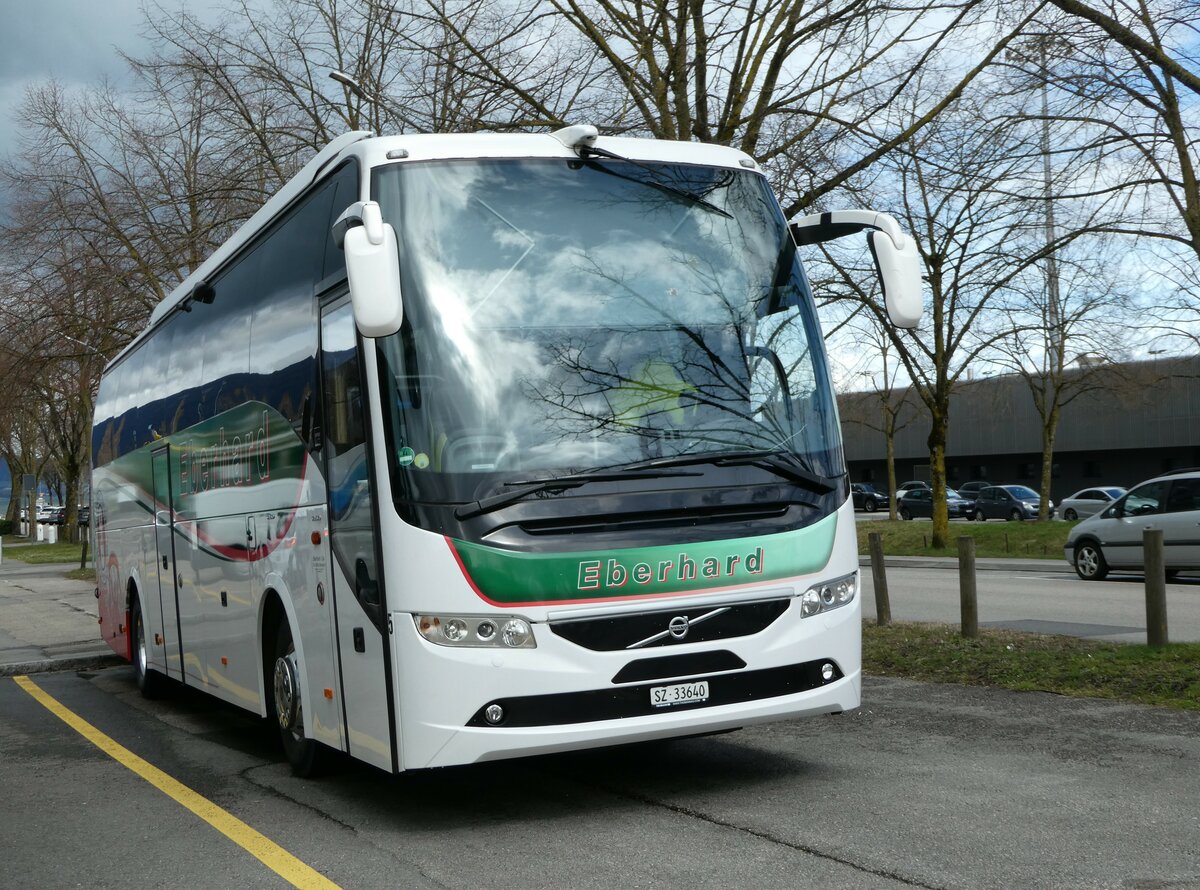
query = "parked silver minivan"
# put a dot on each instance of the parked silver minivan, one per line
(1111, 541)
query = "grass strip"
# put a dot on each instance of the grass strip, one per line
(1016, 540)
(41, 553)
(1167, 676)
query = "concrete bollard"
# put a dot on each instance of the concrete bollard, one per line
(41, 532)
(52, 534)
(1156, 587)
(883, 605)
(966, 587)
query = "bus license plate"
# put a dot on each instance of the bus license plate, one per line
(679, 694)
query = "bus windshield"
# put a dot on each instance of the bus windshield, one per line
(566, 316)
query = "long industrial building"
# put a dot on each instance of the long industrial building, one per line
(1123, 423)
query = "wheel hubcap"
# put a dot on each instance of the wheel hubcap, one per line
(1087, 561)
(287, 692)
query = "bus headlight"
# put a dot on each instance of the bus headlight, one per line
(829, 595)
(490, 631)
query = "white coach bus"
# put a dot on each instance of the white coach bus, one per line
(472, 447)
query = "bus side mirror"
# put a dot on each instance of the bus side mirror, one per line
(896, 259)
(899, 270)
(373, 267)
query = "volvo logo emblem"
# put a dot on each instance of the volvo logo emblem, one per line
(677, 628)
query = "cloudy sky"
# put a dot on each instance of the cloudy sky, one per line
(74, 41)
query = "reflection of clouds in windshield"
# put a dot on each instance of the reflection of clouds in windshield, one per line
(485, 359)
(564, 318)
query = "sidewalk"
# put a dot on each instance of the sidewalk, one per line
(48, 623)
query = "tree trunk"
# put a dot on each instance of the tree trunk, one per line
(937, 481)
(890, 438)
(1049, 431)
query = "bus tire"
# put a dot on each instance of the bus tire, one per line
(306, 756)
(149, 681)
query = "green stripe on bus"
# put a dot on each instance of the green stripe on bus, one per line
(509, 578)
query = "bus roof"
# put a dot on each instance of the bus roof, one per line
(374, 151)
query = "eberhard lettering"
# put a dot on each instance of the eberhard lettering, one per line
(222, 462)
(596, 574)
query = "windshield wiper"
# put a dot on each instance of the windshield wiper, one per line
(781, 463)
(555, 483)
(587, 152)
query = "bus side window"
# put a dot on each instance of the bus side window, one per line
(346, 184)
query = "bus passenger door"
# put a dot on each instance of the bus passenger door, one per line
(166, 628)
(353, 537)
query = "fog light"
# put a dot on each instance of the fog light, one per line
(826, 672)
(486, 631)
(493, 714)
(827, 595)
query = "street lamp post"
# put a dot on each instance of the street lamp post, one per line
(378, 101)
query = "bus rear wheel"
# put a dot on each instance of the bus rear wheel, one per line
(307, 757)
(149, 681)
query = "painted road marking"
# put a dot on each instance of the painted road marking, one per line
(269, 853)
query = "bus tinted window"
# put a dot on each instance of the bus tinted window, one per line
(346, 184)
(160, 414)
(222, 331)
(283, 337)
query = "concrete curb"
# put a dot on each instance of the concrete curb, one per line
(74, 663)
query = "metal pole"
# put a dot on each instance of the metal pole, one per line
(1156, 587)
(883, 606)
(966, 587)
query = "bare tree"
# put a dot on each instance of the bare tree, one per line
(960, 187)
(887, 407)
(1125, 118)
(1068, 340)
(799, 85)
(1139, 27)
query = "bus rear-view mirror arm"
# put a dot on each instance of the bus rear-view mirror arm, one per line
(896, 260)
(373, 267)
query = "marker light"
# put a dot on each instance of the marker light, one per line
(829, 595)
(499, 632)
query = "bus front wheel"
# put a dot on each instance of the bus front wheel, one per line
(306, 756)
(149, 681)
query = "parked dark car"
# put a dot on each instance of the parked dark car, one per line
(918, 502)
(1013, 502)
(970, 490)
(905, 487)
(85, 515)
(867, 498)
(53, 515)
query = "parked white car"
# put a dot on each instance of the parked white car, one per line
(1089, 501)
(1112, 539)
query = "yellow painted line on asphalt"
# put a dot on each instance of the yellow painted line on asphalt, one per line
(253, 842)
